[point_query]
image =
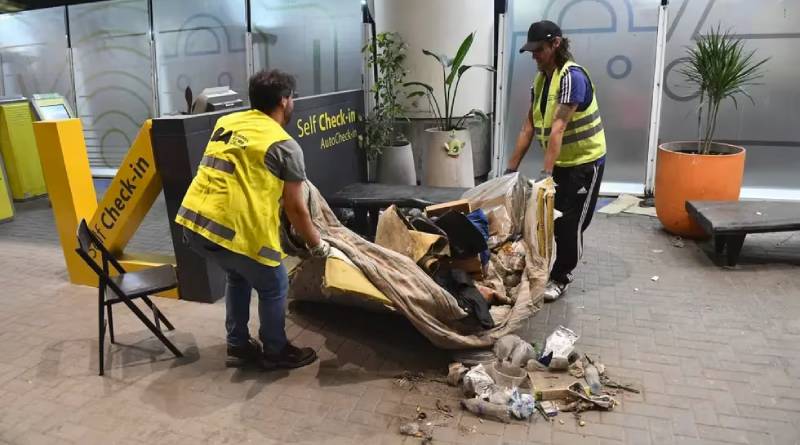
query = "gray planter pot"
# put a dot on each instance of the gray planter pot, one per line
(396, 165)
(444, 168)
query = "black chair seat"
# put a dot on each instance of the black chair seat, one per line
(146, 282)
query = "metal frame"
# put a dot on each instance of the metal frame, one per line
(104, 304)
(498, 139)
(655, 106)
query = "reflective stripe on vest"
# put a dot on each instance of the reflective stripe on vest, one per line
(586, 134)
(269, 254)
(218, 164)
(234, 200)
(573, 124)
(584, 139)
(201, 221)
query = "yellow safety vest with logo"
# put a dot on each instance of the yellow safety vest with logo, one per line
(584, 139)
(234, 200)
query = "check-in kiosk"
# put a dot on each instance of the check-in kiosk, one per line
(18, 148)
(51, 106)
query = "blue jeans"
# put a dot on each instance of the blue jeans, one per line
(243, 275)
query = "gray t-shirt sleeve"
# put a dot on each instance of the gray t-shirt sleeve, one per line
(285, 160)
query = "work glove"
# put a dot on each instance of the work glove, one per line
(321, 250)
(544, 175)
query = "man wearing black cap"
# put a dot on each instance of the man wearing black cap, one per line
(565, 118)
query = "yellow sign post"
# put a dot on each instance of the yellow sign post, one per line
(115, 219)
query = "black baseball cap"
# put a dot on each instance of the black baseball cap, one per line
(540, 32)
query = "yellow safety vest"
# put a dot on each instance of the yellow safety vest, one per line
(584, 139)
(234, 200)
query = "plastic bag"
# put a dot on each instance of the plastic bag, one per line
(504, 346)
(513, 351)
(477, 381)
(521, 354)
(498, 394)
(521, 405)
(558, 347)
(482, 408)
(507, 191)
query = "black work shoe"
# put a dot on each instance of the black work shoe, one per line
(290, 357)
(243, 355)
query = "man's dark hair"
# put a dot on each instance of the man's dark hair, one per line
(267, 88)
(562, 52)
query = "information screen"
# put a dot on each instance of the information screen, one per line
(54, 112)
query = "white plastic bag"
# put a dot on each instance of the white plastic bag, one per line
(508, 192)
(560, 343)
(521, 405)
(477, 381)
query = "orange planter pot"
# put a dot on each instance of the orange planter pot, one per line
(683, 176)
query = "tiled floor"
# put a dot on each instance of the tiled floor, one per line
(716, 351)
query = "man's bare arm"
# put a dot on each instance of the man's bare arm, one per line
(561, 118)
(297, 212)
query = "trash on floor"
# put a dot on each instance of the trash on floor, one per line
(628, 204)
(677, 242)
(522, 380)
(416, 430)
(557, 348)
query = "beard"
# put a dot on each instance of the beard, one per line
(287, 115)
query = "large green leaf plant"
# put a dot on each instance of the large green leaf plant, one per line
(720, 68)
(452, 70)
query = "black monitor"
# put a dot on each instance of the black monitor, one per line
(216, 99)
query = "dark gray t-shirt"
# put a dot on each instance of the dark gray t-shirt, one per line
(285, 160)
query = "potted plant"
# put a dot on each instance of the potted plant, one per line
(383, 140)
(448, 152)
(719, 68)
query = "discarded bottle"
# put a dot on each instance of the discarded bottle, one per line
(488, 410)
(592, 378)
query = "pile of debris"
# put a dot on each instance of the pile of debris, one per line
(465, 273)
(521, 382)
(523, 379)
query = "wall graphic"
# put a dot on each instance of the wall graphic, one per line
(32, 61)
(319, 42)
(198, 44)
(113, 81)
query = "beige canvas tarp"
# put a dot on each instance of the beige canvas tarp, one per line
(365, 274)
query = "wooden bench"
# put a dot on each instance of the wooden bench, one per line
(730, 221)
(367, 199)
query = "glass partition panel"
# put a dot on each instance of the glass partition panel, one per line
(199, 44)
(319, 42)
(33, 54)
(615, 41)
(113, 75)
(769, 128)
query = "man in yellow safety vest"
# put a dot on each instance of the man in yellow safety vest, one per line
(231, 215)
(565, 118)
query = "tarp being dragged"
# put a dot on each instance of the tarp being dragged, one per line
(429, 307)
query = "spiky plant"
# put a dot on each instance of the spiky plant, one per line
(720, 68)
